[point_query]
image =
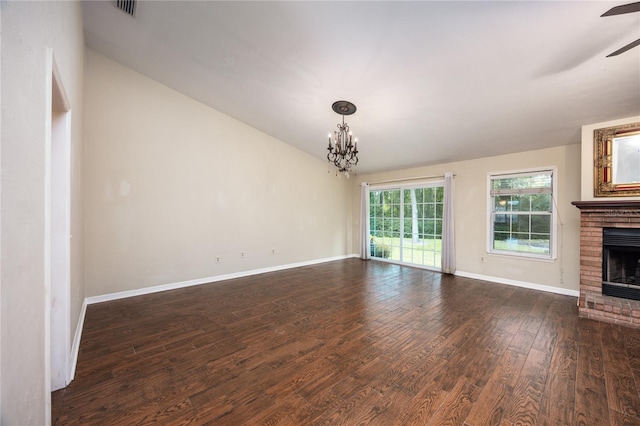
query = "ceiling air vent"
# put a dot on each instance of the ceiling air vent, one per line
(127, 6)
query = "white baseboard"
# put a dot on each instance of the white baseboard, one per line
(75, 347)
(207, 280)
(547, 288)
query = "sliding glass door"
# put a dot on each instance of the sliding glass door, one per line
(406, 224)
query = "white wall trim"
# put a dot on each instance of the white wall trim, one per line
(47, 232)
(57, 226)
(516, 283)
(1, 333)
(207, 280)
(75, 348)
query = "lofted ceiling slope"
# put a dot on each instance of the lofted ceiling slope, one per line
(433, 81)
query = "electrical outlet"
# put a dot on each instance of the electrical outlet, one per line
(481, 258)
(241, 254)
(217, 259)
(273, 251)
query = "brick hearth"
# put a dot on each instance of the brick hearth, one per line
(595, 215)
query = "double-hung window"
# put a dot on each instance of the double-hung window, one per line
(522, 220)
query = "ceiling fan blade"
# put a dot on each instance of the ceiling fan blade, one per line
(625, 48)
(625, 8)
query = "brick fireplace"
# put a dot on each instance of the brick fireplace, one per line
(594, 217)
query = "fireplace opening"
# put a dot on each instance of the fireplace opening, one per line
(621, 262)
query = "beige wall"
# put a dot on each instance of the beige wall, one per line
(171, 184)
(471, 216)
(29, 29)
(588, 157)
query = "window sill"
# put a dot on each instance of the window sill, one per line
(522, 256)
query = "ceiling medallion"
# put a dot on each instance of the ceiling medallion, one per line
(343, 153)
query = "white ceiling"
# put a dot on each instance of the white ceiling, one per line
(433, 81)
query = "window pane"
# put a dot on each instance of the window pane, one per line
(502, 223)
(407, 210)
(541, 202)
(501, 218)
(406, 195)
(523, 224)
(430, 226)
(521, 203)
(502, 203)
(373, 200)
(408, 224)
(429, 211)
(499, 240)
(541, 224)
(429, 195)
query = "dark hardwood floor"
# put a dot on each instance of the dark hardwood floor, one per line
(351, 342)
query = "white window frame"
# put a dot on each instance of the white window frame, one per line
(553, 238)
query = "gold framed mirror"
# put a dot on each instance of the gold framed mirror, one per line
(616, 158)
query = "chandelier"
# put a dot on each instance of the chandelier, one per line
(344, 152)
